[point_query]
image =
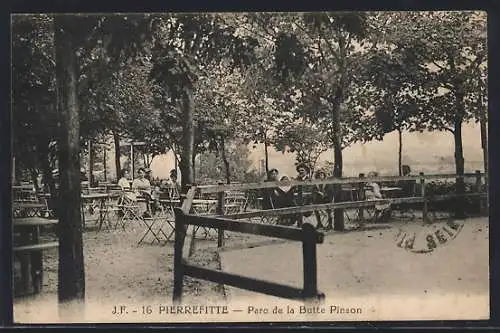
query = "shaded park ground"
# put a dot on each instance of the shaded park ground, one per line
(363, 268)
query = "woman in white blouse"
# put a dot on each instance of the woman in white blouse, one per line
(372, 192)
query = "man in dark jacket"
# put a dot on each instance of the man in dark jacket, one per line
(321, 194)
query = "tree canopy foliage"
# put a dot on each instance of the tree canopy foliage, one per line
(251, 78)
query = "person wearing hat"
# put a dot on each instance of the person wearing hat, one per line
(303, 172)
(174, 186)
(285, 197)
(373, 192)
(321, 194)
(141, 186)
(269, 195)
(303, 175)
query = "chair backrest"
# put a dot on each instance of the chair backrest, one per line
(409, 187)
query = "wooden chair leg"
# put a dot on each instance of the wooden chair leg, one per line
(37, 271)
(25, 272)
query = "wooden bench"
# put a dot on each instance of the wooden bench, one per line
(36, 247)
(35, 261)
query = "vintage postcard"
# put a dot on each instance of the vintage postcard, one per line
(249, 167)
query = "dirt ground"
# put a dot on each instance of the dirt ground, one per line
(117, 268)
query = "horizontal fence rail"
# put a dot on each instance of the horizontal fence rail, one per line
(347, 204)
(351, 180)
(242, 282)
(308, 235)
(226, 223)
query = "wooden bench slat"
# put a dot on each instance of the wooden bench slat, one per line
(36, 247)
(33, 221)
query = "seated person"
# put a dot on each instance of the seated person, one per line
(164, 189)
(142, 187)
(141, 184)
(408, 189)
(124, 181)
(322, 193)
(407, 186)
(372, 192)
(285, 197)
(269, 195)
(302, 175)
(175, 187)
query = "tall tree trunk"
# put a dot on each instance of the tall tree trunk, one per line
(186, 166)
(225, 160)
(14, 173)
(105, 163)
(459, 155)
(459, 166)
(338, 214)
(400, 152)
(71, 284)
(116, 139)
(484, 140)
(266, 153)
(193, 164)
(91, 164)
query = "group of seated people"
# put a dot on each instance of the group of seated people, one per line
(142, 187)
(287, 196)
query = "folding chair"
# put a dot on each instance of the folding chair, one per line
(155, 231)
(409, 189)
(201, 209)
(46, 211)
(156, 221)
(126, 210)
(105, 210)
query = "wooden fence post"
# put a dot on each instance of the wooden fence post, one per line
(361, 197)
(423, 194)
(180, 233)
(300, 194)
(309, 261)
(220, 211)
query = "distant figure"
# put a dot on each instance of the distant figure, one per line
(175, 187)
(303, 175)
(321, 194)
(406, 170)
(285, 197)
(303, 172)
(372, 192)
(408, 189)
(141, 186)
(269, 194)
(407, 186)
(124, 181)
(141, 183)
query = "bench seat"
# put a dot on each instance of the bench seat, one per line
(36, 247)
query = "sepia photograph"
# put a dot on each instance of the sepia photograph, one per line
(225, 167)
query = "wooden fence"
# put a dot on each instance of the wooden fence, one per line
(307, 235)
(422, 197)
(348, 180)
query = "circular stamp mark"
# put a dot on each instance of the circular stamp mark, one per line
(428, 237)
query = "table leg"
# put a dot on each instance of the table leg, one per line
(102, 205)
(24, 260)
(36, 263)
(82, 209)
